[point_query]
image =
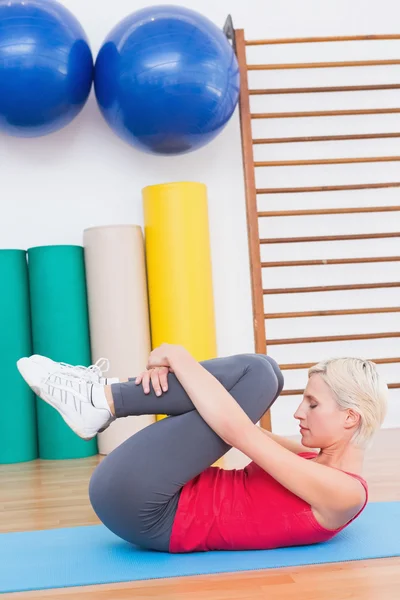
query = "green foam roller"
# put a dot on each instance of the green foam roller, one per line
(18, 436)
(60, 331)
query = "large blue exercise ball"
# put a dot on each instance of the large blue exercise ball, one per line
(46, 67)
(167, 80)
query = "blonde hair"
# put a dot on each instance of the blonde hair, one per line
(357, 385)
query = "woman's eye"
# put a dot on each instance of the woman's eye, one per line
(313, 405)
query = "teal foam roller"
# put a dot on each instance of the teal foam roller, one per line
(60, 330)
(18, 433)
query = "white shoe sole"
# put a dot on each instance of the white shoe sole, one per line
(48, 400)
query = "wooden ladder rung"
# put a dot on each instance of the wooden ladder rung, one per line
(334, 338)
(329, 188)
(332, 288)
(326, 161)
(323, 89)
(328, 211)
(324, 65)
(319, 39)
(325, 138)
(332, 313)
(377, 361)
(329, 261)
(326, 113)
(331, 238)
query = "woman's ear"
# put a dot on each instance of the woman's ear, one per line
(352, 418)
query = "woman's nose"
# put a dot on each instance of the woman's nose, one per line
(299, 413)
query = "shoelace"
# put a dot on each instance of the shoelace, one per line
(100, 367)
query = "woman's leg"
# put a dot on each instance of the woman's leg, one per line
(135, 489)
(129, 399)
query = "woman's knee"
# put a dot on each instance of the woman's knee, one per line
(265, 375)
(277, 371)
(260, 364)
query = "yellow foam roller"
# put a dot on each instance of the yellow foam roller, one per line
(179, 271)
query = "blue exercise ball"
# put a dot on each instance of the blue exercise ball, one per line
(46, 67)
(167, 80)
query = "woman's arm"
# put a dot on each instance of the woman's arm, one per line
(330, 491)
(291, 445)
(322, 487)
(211, 399)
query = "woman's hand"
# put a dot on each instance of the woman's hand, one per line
(158, 377)
(164, 356)
(158, 366)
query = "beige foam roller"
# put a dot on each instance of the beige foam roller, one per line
(118, 312)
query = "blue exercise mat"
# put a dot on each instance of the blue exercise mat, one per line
(92, 555)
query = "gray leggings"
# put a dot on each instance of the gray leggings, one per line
(135, 489)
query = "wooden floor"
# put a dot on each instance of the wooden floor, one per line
(47, 494)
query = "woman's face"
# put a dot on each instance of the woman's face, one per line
(322, 423)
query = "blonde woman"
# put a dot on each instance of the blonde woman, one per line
(158, 490)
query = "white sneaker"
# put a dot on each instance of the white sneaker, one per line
(92, 374)
(69, 395)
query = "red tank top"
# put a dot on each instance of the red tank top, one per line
(245, 509)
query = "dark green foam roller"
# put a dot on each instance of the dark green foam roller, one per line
(18, 412)
(60, 330)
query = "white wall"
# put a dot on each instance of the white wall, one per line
(54, 187)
